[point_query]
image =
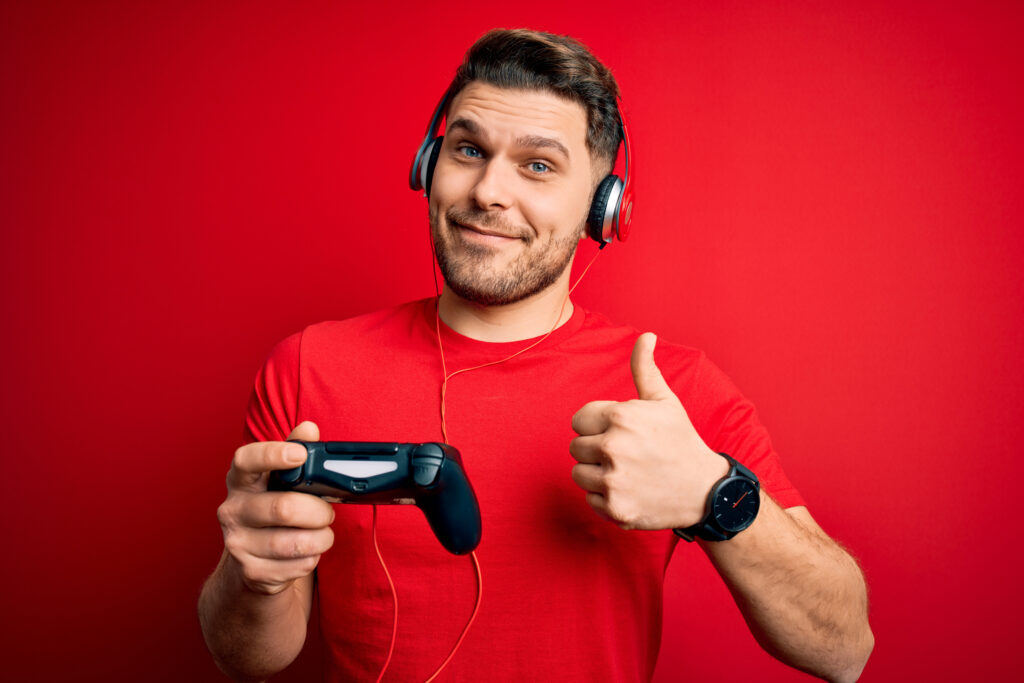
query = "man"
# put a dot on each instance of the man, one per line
(573, 549)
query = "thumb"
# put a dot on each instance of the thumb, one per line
(650, 385)
(305, 431)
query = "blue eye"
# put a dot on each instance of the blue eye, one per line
(538, 167)
(471, 152)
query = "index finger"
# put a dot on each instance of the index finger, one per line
(591, 419)
(253, 461)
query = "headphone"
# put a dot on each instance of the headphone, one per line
(610, 211)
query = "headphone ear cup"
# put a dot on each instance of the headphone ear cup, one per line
(432, 153)
(599, 216)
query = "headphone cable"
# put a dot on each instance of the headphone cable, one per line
(444, 434)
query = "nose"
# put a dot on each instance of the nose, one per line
(493, 188)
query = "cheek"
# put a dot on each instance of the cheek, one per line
(445, 183)
(547, 214)
(560, 212)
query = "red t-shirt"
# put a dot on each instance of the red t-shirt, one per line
(567, 596)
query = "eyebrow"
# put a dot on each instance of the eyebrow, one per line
(538, 141)
(530, 141)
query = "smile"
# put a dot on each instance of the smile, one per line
(489, 236)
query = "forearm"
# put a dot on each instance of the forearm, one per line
(803, 597)
(251, 635)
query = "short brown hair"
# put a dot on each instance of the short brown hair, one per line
(534, 60)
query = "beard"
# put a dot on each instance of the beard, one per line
(468, 268)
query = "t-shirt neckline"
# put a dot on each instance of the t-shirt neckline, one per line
(459, 343)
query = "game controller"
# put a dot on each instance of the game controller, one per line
(428, 475)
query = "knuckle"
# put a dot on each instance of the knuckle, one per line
(328, 540)
(282, 509)
(609, 445)
(599, 482)
(307, 565)
(226, 513)
(279, 454)
(233, 544)
(275, 451)
(621, 514)
(627, 410)
(255, 577)
(240, 459)
(578, 476)
(611, 488)
(282, 546)
(239, 466)
(298, 547)
(616, 413)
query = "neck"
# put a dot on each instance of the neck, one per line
(532, 317)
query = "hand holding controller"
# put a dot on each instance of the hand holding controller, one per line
(268, 543)
(429, 475)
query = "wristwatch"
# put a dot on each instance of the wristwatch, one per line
(732, 506)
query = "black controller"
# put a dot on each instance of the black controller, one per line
(429, 475)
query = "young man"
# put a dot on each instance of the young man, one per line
(585, 450)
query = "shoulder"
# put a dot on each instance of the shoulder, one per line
(700, 384)
(599, 334)
(399, 317)
(365, 330)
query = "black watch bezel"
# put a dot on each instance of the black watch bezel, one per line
(709, 528)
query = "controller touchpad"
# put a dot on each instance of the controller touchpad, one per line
(361, 469)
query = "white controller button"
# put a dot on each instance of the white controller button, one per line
(361, 469)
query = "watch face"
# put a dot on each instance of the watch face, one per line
(735, 504)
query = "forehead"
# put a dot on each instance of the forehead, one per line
(519, 112)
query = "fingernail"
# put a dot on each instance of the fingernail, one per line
(295, 455)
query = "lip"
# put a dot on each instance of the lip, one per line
(484, 232)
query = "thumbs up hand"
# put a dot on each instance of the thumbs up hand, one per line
(641, 462)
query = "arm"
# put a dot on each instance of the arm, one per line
(252, 635)
(255, 606)
(644, 466)
(803, 597)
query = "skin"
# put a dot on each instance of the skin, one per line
(511, 191)
(513, 181)
(643, 466)
(255, 606)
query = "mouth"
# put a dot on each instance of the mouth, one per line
(485, 233)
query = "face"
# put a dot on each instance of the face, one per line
(510, 192)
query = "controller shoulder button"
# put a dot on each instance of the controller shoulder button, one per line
(429, 449)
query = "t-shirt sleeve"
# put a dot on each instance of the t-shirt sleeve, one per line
(273, 405)
(731, 425)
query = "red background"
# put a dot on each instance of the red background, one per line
(828, 204)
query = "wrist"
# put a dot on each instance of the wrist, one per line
(694, 485)
(717, 466)
(730, 506)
